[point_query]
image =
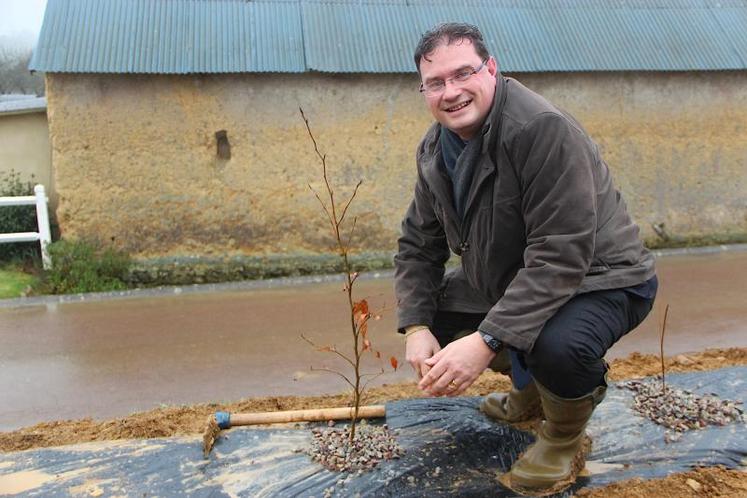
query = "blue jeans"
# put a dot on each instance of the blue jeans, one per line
(568, 356)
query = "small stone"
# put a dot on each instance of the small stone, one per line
(330, 423)
(695, 485)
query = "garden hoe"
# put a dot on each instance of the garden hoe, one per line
(224, 420)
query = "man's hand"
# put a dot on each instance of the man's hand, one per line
(420, 346)
(457, 366)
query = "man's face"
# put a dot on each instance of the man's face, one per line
(462, 106)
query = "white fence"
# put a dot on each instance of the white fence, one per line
(44, 235)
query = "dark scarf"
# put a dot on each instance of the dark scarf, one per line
(459, 160)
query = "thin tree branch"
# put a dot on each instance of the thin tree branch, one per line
(375, 376)
(329, 349)
(661, 351)
(324, 206)
(343, 356)
(334, 372)
(309, 341)
(313, 140)
(347, 205)
(352, 231)
(323, 159)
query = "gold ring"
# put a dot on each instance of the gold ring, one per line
(452, 385)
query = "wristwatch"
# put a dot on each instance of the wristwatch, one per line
(494, 344)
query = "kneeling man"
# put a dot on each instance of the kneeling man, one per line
(552, 270)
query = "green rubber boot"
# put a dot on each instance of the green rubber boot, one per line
(555, 456)
(513, 406)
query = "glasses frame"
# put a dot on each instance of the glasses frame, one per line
(453, 80)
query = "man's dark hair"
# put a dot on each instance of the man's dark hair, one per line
(450, 32)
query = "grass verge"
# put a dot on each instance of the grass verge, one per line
(15, 282)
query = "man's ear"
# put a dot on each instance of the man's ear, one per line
(492, 65)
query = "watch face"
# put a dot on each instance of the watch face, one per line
(491, 341)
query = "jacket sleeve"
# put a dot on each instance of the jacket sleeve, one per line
(419, 263)
(555, 164)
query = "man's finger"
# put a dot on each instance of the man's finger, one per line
(454, 389)
(433, 375)
(434, 359)
(419, 367)
(442, 385)
(462, 387)
(424, 369)
(441, 392)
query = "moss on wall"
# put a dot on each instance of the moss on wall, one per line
(199, 270)
(136, 162)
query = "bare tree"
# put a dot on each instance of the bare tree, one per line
(335, 210)
(15, 76)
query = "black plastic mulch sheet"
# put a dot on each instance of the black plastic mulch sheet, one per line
(451, 450)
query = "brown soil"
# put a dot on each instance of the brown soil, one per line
(643, 365)
(191, 420)
(709, 481)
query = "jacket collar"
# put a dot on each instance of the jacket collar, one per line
(492, 127)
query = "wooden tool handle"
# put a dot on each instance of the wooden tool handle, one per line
(318, 414)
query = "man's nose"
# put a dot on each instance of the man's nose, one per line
(451, 91)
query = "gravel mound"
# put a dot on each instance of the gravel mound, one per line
(372, 444)
(680, 410)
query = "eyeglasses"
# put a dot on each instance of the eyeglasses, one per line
(437, 87)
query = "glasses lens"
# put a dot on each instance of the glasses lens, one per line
(463, 76)
(434, 87)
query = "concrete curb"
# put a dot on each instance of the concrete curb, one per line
(185, 290)
(699, 251)
(278, 282)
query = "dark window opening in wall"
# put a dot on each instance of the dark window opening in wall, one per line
(224, 148)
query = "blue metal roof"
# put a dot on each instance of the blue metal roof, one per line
(169, 36)
(379, 36)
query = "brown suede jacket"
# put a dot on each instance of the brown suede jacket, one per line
(542, 223)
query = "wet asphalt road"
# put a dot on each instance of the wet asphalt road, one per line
(109, 358)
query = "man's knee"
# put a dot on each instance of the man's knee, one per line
(556, 358)
(565, 368)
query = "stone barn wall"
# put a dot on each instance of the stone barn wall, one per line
(136, 163)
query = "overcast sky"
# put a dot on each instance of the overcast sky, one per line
(20, 21)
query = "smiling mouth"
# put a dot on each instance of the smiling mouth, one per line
(459, 106)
